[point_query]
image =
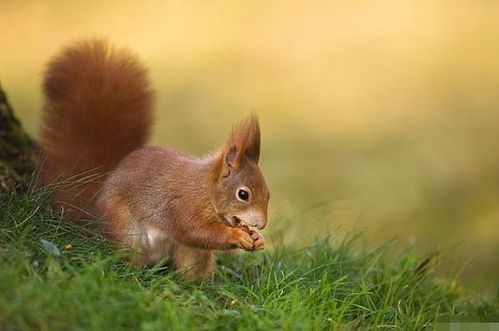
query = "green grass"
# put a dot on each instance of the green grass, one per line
(327, 285)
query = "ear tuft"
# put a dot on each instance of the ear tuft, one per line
(252, 131)
(244, 142)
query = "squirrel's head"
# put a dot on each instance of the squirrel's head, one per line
(241, 195)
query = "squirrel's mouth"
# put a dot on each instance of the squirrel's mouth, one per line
(237, 221)
(233, 221)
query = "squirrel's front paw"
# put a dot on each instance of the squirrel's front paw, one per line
(244, 240)
(258, 241)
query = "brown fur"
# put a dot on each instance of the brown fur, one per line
(157, 201)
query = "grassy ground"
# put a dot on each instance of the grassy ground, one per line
(47, 285)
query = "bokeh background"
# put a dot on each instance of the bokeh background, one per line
(381, 116)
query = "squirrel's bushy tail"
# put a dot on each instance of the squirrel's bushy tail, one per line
(98, 108)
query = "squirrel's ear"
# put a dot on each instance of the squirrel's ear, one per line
(244, 142)
(252, 142)
(233, 156)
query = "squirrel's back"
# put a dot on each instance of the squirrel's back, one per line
(98, 109)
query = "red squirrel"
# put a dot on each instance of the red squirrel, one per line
(158, 202)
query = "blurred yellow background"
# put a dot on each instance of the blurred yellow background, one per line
(376, 115)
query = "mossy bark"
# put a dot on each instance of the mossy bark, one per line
(18, 152)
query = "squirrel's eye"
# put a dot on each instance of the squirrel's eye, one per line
(242, 194)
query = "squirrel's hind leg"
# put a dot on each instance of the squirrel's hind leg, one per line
(193, 261)
(146, 245)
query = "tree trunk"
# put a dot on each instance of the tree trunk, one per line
(17, 151)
